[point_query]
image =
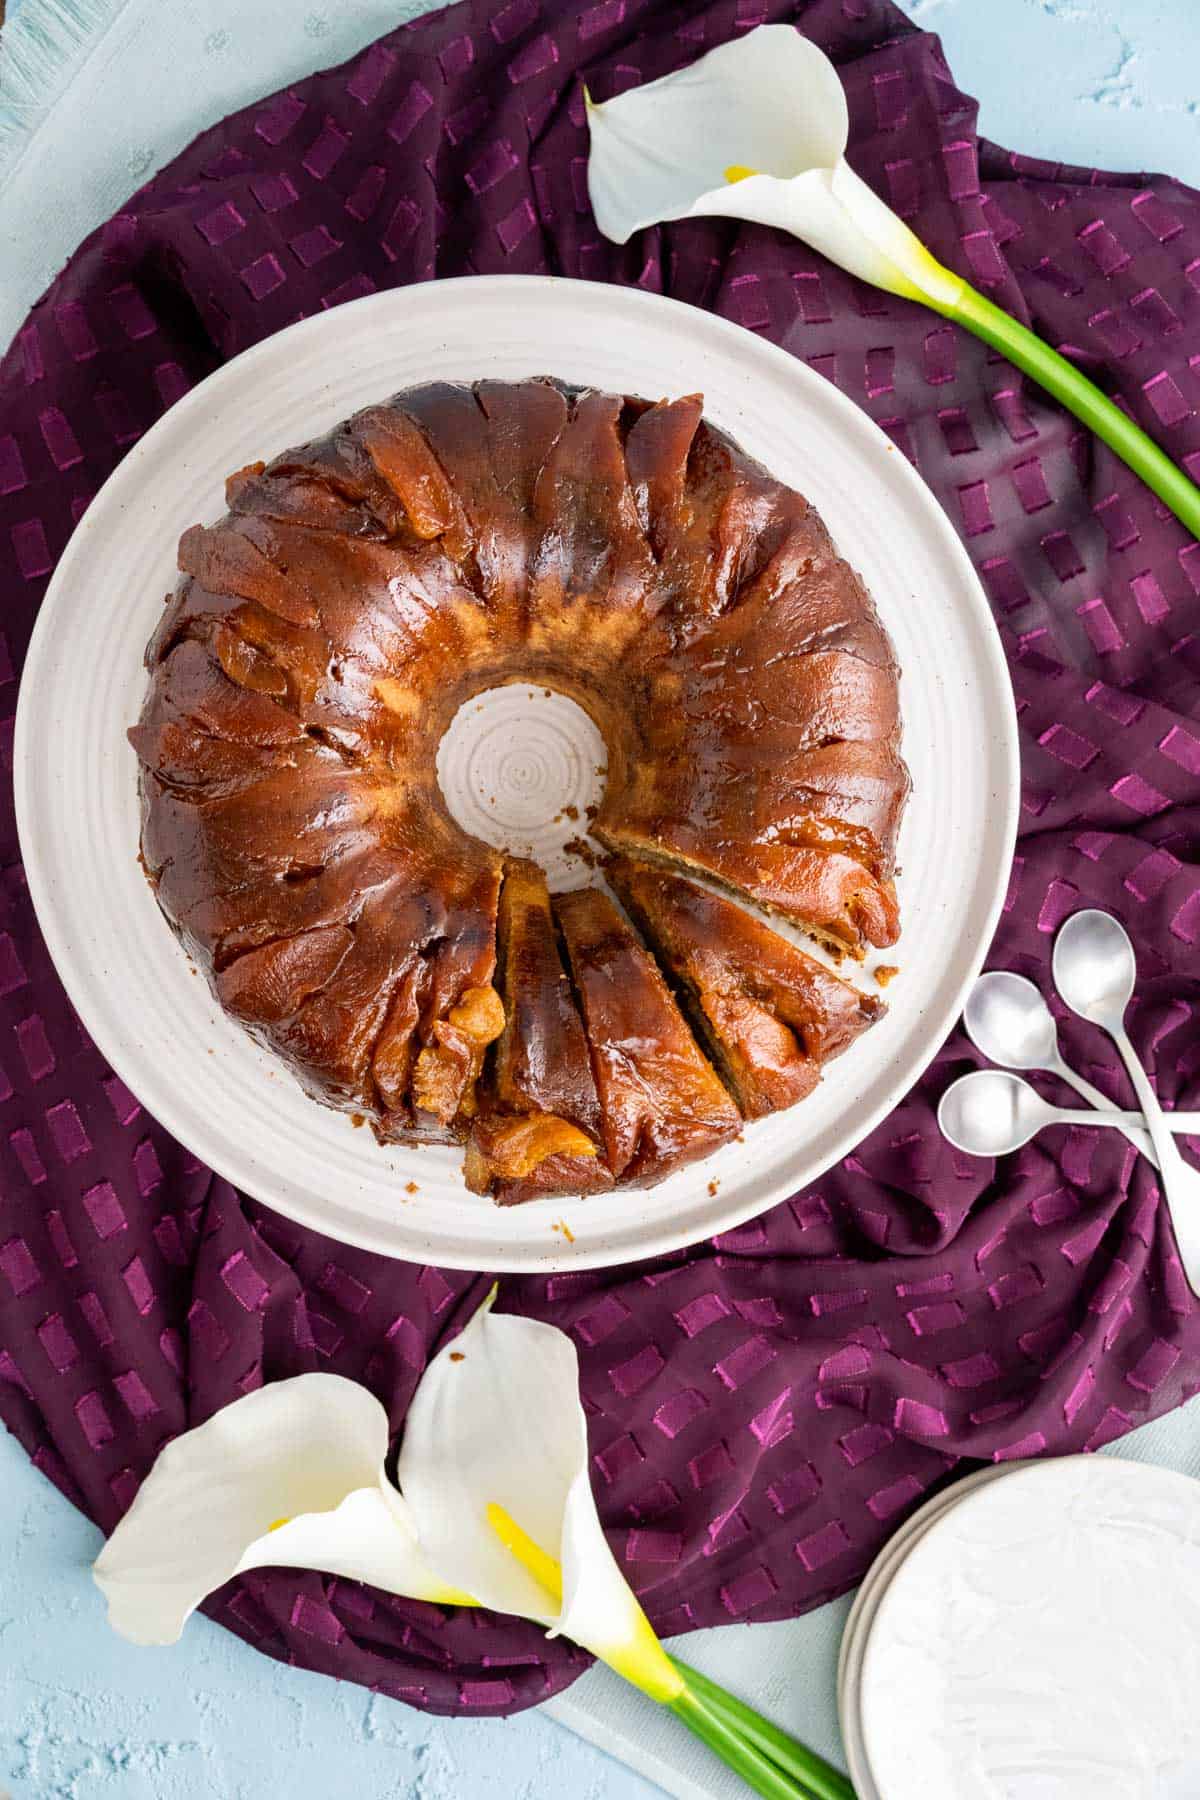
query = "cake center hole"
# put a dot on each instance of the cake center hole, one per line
(523, 768)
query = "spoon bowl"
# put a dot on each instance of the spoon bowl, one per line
(1095, 968)
(991, 1112)
(1008, 1020)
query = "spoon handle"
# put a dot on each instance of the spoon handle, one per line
(1181, 1183)
(1094, 1097)
(1181, 1124)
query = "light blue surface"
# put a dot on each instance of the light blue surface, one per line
(83, 1716)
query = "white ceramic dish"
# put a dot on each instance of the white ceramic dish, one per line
(198, 1072)
(1042, 1639)
(862, 1616)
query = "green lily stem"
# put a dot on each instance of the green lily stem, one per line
(759, 1772)
(818, 1777)
(1034, 357)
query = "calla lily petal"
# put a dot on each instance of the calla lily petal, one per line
(496, 1423)
(291, 1475)
(770, 103)
(368, 1537)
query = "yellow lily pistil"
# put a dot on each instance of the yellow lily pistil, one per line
(540, 1564)
(640, 1658)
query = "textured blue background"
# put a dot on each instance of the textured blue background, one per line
(83, 1716)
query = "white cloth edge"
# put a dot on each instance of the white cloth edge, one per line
(43, 46)
(190, 66)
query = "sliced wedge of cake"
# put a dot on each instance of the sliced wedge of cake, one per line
(662, 1103)
(768, 1014)
(538, 1130)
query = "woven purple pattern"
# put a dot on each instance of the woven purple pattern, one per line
(764, 1409)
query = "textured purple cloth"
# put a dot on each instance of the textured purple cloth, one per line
(763, 1409)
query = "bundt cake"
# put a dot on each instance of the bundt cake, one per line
(324, 634)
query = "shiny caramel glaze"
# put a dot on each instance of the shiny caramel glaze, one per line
(538, 1129)
(769, 727)
(361, 587)
(662, 1103)
(769, 1015)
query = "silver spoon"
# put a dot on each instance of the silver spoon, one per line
(1094, 971)
(990, 1112)
(1007, 1018)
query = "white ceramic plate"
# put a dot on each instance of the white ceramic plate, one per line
(1042, 1642)
(195, 1070)
(862, 1614)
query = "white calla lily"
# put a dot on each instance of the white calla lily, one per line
(290, 1476)
(494, 1466)
(756, 129)
(496, 1504)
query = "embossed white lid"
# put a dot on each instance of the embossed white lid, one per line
(1041, 1641)
(861, 1618)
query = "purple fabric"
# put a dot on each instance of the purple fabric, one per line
(766, 1408)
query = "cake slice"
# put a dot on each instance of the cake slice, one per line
(768, 1014)
(820, 888)
(539, 1126)
(767, 758)
(662, 1103)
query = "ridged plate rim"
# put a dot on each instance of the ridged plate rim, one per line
(74, 777)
